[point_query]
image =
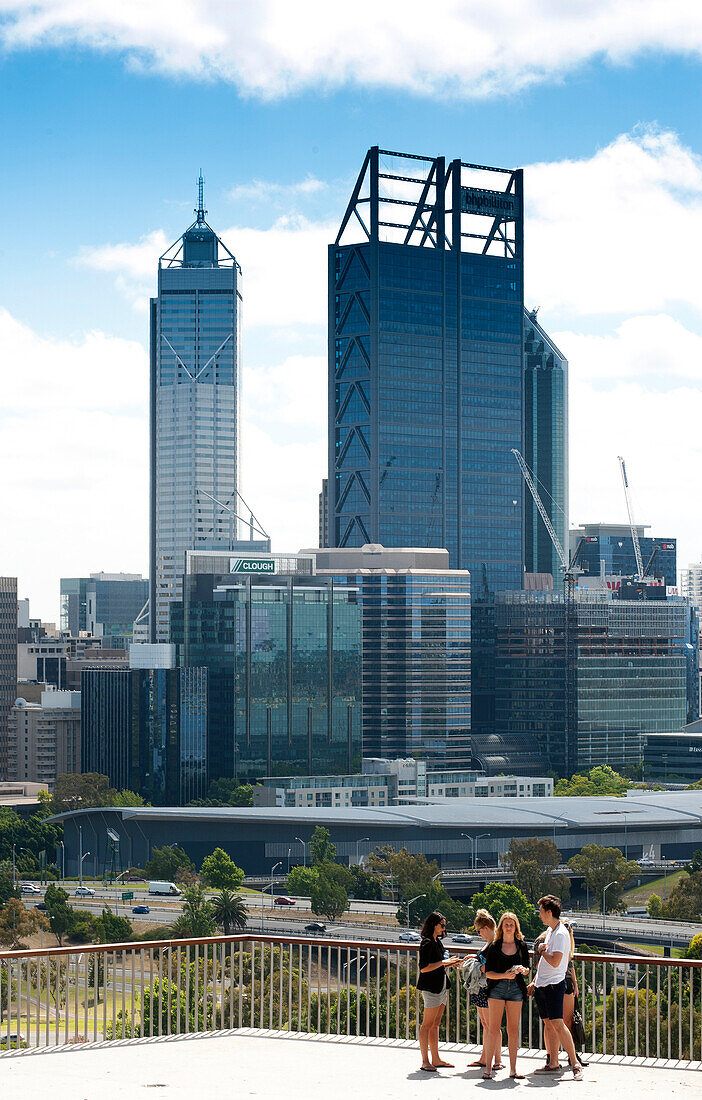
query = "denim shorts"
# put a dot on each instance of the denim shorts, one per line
(505, 990)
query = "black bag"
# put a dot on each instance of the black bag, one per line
(578, 1027)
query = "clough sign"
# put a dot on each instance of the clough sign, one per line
(251, 565)
(493, 204)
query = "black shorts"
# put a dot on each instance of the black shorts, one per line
(549, 1000)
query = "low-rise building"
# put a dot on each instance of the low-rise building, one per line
(44, 738)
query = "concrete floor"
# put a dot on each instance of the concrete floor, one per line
(273, 1064)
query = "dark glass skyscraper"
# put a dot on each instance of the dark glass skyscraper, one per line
(545, 446)
(195, 324)
(426, 363)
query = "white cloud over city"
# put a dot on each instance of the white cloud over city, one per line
(612, 241)
(271, 48)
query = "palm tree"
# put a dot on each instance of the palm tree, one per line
(229, 911)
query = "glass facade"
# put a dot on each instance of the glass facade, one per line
(74, 604)
(581, 683)
(545, 446)
(146, 729)
(615, 547)
(195, 347)
(104, 605)
(284, 659)
(425, 364)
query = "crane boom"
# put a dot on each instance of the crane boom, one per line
(632, 525)
(542, 511)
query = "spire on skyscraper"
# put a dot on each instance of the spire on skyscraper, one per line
(200, 210)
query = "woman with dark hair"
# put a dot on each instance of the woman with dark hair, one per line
(433, 985)
(506, 963)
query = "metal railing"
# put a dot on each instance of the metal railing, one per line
(631, 1006)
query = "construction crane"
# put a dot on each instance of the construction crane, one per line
(634, 532)
(569, 566)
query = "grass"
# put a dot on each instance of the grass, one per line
(656, 949)
(639, 895)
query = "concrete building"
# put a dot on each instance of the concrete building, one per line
(416, 650)
(45, 738)
(22, 798)
(8, 663)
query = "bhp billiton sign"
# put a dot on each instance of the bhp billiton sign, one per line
(251, 565)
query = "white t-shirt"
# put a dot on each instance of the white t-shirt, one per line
(557, 939)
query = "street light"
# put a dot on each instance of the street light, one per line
(361, 841)
(63, 860)
(269, 886)
(84, 856)
(480, 836)
(612, 883)
(289, 851)
(304, 849)
(556, 818)
(411, 902)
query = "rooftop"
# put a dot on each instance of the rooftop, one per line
(266, 1064)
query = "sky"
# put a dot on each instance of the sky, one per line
(109, 112)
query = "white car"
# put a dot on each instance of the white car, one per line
(29, 888)
(410, 937)
(84, 892)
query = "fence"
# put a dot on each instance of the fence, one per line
(643, 1007)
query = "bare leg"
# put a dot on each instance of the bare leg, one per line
(484, 1015)
(552, 1043)
(493, 1039)
(425, 1031)
(514, 1013)
(436, 1059)
(563, 1037)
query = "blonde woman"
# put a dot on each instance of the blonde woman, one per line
(485, 926)
(506, 964)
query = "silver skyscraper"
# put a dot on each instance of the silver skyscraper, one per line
(195, 384)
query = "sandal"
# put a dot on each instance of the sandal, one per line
(487, 1076)
(478, 1063)
(517, 1076)
(429, 1069)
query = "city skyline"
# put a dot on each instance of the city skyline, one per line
(613, 190)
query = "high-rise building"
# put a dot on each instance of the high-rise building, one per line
(146, 728)
(283, 652)
(416, 651)
(195, 348)
(545, 445)
(567, 685)
(8, 663)
(609, 548)
(426, 332)
(44, 738)
(324, 513)
(691, 584)
(104, 604)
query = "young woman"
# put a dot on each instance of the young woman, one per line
(433, 984)
(485, 927)
(506, 964)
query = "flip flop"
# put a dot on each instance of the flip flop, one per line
(475, 1064)
(428, 1069)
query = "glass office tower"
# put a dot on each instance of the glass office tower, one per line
(104, 604)
(611, 548)
(545, 446)
(283, 652)
(426, 364)
(195, 321)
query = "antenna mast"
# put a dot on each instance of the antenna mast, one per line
(200, 212)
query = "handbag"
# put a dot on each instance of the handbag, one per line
(578, 1027)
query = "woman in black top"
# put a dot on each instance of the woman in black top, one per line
(433, 984)
(506, 964)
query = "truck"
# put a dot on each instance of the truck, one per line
(169, 888)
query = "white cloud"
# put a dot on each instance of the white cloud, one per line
(617, 232)
(657, 350)
(273, 47)
(267, 191)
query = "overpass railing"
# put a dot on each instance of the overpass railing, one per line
(646, 1007)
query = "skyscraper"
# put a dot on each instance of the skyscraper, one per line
(195, 321)
(104, 604)
(426, 363)
(8, 662)
(545, 446)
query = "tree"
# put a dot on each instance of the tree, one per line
(111, 928)
(695, 863)
(7, 890)
(328, 897)
(685, 901)
(458, 916)
(364, 885)
(300, 881)
(411, 874)
(197, 917)
(654, 906)
(600, 866)
(321, 848)
(601, 780)
(221, 872)
(499, 898)
(75, 792)
(694, 948)
(166, 862)
(229, 911)
(16, 922)
(533, 860)
(128, 798)
(61, 915)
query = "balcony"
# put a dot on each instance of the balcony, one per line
(285, 1015)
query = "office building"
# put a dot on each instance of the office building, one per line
(545, 446)
(195, 367)
(103, 604)
(426, 321)
(324, 513)
(608, 549)
(571, 685)
(8, 663)
(416, 650)
(146, 729)
(691, 584)
(674, 758)
(283, 651)
(44, 738)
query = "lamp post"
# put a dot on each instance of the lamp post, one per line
(80, 853)
(563, 821)
(612, 883)
(84, 856)
(411, 902)
(289, 851)
(361, 841)
(269, 886)
(14, 868)
(63, 860)
(480, 836)
(304, 849)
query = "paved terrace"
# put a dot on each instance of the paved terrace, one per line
(247, 1063)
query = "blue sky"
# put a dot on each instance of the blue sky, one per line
(106, 120)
